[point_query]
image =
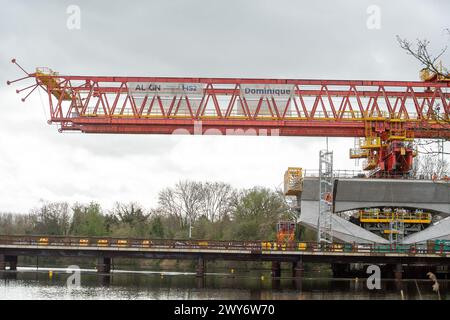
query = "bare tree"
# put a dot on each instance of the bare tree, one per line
(420, 51)
(430, 62)
(183, 201)
(431, 165)
(52, 218)
(216, 199)
(130, 213)
(427, 146)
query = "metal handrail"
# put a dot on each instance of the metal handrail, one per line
(434, 247)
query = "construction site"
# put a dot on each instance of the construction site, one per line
(385, 204)
(197, 151)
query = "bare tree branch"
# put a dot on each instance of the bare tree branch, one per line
(420, 52)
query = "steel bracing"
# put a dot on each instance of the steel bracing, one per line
(324, 223)
(287, 107)
(387, 115)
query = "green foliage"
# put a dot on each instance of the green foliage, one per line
(88, 220)
(216, 211)
(257, 212)
(157, 228)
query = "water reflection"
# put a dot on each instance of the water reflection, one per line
(32, 284)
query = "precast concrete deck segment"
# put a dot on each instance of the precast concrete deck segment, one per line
(359, 193)
(353, 194)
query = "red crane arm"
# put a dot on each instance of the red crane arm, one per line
(289, 107)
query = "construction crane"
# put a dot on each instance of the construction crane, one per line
(386, 116)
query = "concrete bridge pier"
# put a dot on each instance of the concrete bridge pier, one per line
(276, 269)
(201, 267)
(340, 269)
(398, 271)
(200, 282)
(298, 269)
(12, 262)
(104, 264)
(104, 280)
(8, 259)
(2, 262)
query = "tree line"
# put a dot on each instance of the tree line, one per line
(214, 210)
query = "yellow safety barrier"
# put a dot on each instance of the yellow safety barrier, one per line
(102, 243)
(122, 243)
(266, 246)
(146, 243)
(43, 241)
(84, 242)
(337, 247)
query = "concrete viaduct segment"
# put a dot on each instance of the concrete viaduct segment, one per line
(353, 194)
(359, 193)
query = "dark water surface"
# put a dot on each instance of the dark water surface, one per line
(29, 283)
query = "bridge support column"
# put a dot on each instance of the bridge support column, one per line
(8, 259)
(398, 271)
(12, 262)
(2, 262)
(297, 269)
(201, 267)
(104, 265)
(276, 269)
(340, 269)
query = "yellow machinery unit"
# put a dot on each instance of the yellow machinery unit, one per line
(293, 181)
(384, 216)
(431, 76)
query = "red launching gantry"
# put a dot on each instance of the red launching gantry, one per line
(385, 115)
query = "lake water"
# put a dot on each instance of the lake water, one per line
(29, 283)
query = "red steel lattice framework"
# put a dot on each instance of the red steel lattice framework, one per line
(390, 111)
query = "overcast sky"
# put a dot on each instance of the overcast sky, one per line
(270, 39)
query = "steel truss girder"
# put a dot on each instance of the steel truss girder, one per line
(316, 108)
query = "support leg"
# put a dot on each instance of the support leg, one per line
(12, 262)
(340, 269)
(398, 271)
(276, 269)
(104, 265)
(2, 262)
(297, 269)
(201, 267)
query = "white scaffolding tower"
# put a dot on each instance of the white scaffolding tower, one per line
(324, 224)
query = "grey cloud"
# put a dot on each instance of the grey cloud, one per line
(292, 39)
